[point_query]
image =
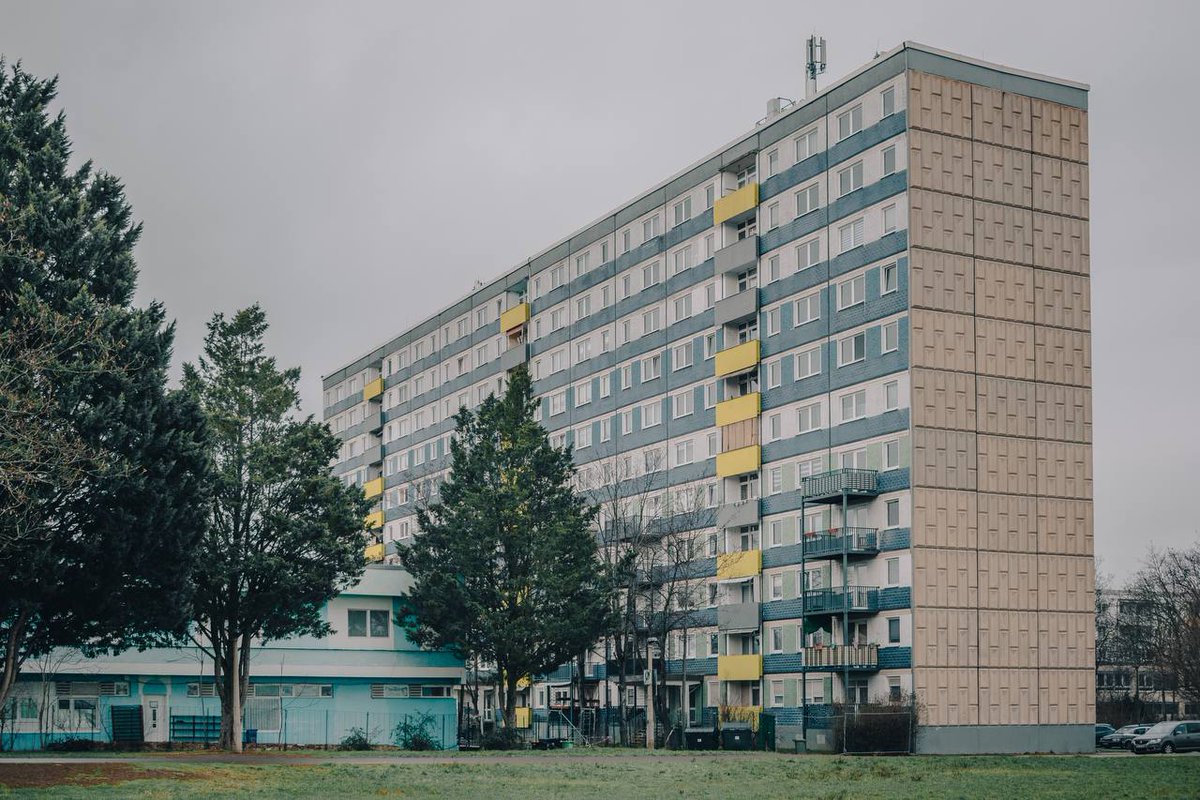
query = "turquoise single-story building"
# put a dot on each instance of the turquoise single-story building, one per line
(364, 677)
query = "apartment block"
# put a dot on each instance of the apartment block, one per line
(858, 337)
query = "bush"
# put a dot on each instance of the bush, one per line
(505, 739)
(74, 744)
(416, 733)
(356, 739)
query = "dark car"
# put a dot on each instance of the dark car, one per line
(1121, 738)
(1103, 729)
(1169, 737)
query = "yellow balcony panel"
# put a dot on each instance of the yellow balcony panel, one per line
(523, 716)
(373, 488)
(514, 318)
(739, 668)
(373, 389)
(374, 520)
(374, 552)
(742, 564)
(739, 462)
(739, 409)
(735, 204)
(738, 358)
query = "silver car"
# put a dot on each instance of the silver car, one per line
(1169, 737)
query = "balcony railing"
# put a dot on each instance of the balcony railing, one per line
(842, 598)
(859, 657)
(836, 541)
(830, 486)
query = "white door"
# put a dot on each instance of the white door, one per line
(154, 725)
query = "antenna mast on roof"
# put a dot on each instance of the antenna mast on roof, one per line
(814, 65)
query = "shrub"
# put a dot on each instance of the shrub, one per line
(504, 739)
(73, 744)
(356, 739)
(415, 733)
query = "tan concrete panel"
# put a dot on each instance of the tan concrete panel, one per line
(1006, 406)
(945, 637)
(1008, 581)
(943, 459)
(942, 340)
(1060, 187)
(1065, 526)
(950, 695)
(1004, 348)
(1063, 356)
(942, 399)
(1002, 175)
(1068, 696)
(1060, 131)
(1064, 413)
(1005, 291)
(1062, 300)
(1008, 639)
(938, 162)
(941, 221)
(939, 104)
(1001, 118)
(941, 281)
(1003, 233)
(1065, 583)
(1064, 469)
(944, 518)
(1007, 522)
(1066, 639)
(1061, 243)
(1007, 464)
(944, 578)
(1008, 696)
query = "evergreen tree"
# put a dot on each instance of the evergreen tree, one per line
(505, 568)
(283, 536)
(102, 470)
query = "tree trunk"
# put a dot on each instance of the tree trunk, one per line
(12, 659)
(510, 701)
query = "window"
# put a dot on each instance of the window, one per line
(774, 428)
(747, 229)
(684, 452)
(651, 321)
(606, 341)
(852, 349)
(854, 405)
(747, 279)
(681, 356)
(891, 454)
(583, 394)
(605, 385)
(583, 437)
(889, 279)
(772, 163)
(777, 644)
(682, 260)
(683, 404)
(776, 580)
(651, 367)
(888, 96)
(808, 254)
(773, 216)
(650, 228)
(605, 429)
(889, 160)
(809, 418)
(774, 379)
(627, 422)
(807, 309)
(894, 691)
(558, 276)
(850, 179)
(710, 395)
(808, 199)
(581, 264)
(709, 246)
(558, 361)
(849, 122)
(710, 196)
(775, 480)
(773, 269)
(854, 459)
(651, 414)
(808, 363)
(806, 144)
(891, 396)
(683, 307)
(851, 235)
(772, 321)
(712, 445)
(558, 403)
(852, 292)
(891, 337)
(583, 307)
(893, 622)
(626, 241)
(627, 377)
(369, 623)
(892, 508)
(775, 539)
(747, 175)
(683, 210)
(651, 275)
(710, 345)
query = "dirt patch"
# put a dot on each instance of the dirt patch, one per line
(40, 776)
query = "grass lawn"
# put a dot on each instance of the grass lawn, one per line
(626, 776)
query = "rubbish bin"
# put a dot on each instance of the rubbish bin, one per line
(700, 739)
(250, 736)
(800, 744)
(736, 737)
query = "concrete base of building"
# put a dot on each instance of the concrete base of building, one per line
(1006, 739)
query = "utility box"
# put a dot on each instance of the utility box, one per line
(700, 739)
(736, 737)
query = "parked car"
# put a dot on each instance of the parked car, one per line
(1121, 738)
(1103, 729)
(1169, 737)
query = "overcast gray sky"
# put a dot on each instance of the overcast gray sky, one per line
(355, 165)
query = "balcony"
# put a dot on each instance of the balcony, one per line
(374, 520)
(512, 320)
(374, 552)
(742, 564)
(857, 657)
(748, 406)
(373, 488)
(740, 668)
(738, 514)
(514, 356)
(373, 455)
(737, 257)
(373, 390)
(830, 487)
(737, 307)
(373, 421)
(837, 541)
(737, 359)
(854, 599)
(739, 462)
(736, 206)
(737, 617)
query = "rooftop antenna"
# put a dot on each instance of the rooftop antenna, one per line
(814, 65)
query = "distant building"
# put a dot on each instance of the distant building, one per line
(861, 333)
(303, 691)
